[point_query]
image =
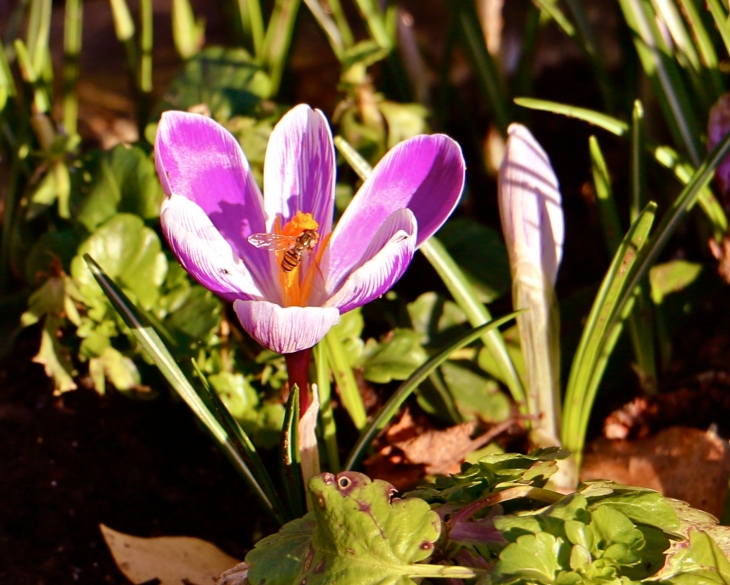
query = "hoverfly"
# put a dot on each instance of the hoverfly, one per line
(294, 246)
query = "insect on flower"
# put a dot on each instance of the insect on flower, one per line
(288, 303)
(295, 246)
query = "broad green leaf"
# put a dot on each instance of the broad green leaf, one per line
(700, 563)
(236, 393)
(613, 528)
(431, 314)
(672, 277)
(121, 371)
(55, 358)
(648, 508)
(228, 81)
(49, 252)
(55, 298)
(480, 252)
(361, 535)
(278, 558)
(396, 358)
(390, 408)
(494, 473)
(534, 558)
(695, 519)
(130, 253)
(192, 319)
(126, 181)
(349, 332)
(404, 120)
(487, 362)
(475, 396)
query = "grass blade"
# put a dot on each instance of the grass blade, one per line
(291, 463)
(605, 121)
(71, 50)
(459, 287)
(686, 200)
(664, 76)
(252, 23)
(583, 36)
(490, 82)
(708, 57)
(578, 401)
(346, 383)
(390, 408)
(664, 155)
(464, 296)
(720, 16)
(243, 456)
(583, 385)
(326, 417)
(641, 319)
(278, 40)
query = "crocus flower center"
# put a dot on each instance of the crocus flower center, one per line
(296, 273)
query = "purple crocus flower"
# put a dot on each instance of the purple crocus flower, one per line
(289, 274)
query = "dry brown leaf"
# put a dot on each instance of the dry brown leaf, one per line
(171, 559)
(670, 462)
(415, 450)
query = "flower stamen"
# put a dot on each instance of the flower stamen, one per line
(302, 230)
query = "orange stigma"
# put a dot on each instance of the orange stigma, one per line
(296, 281)
(299, 223)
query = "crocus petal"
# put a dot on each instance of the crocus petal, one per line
(200, 160)
(424, 174)
(299, 170)
(384, 262)
(203, 251)
(285, 330)
(530, 204)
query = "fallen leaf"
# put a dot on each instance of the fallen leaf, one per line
(680, 462)
(414, 450)
(171, 560)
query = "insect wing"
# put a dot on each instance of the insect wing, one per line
(272, 242)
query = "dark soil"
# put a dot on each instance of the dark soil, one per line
(69, 463)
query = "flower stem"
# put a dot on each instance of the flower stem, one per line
(298, 366)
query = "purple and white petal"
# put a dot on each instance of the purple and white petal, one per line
(530, 204)
(299, 169)
(203, 251)
(424, 174)
(285, 329)
(384, 262)
(200, 160)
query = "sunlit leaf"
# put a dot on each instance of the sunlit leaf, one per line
(166, 560)
(358, 533)
(396, 358)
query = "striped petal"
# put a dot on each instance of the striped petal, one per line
(384, 262)
(203, 252)
(285, 329)
(530, 205)
(198, 159)
(424, 174)
(299, 172)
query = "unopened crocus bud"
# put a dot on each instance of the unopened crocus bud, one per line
(532, 221)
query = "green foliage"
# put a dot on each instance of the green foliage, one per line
(357, 534)
(494, 515)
